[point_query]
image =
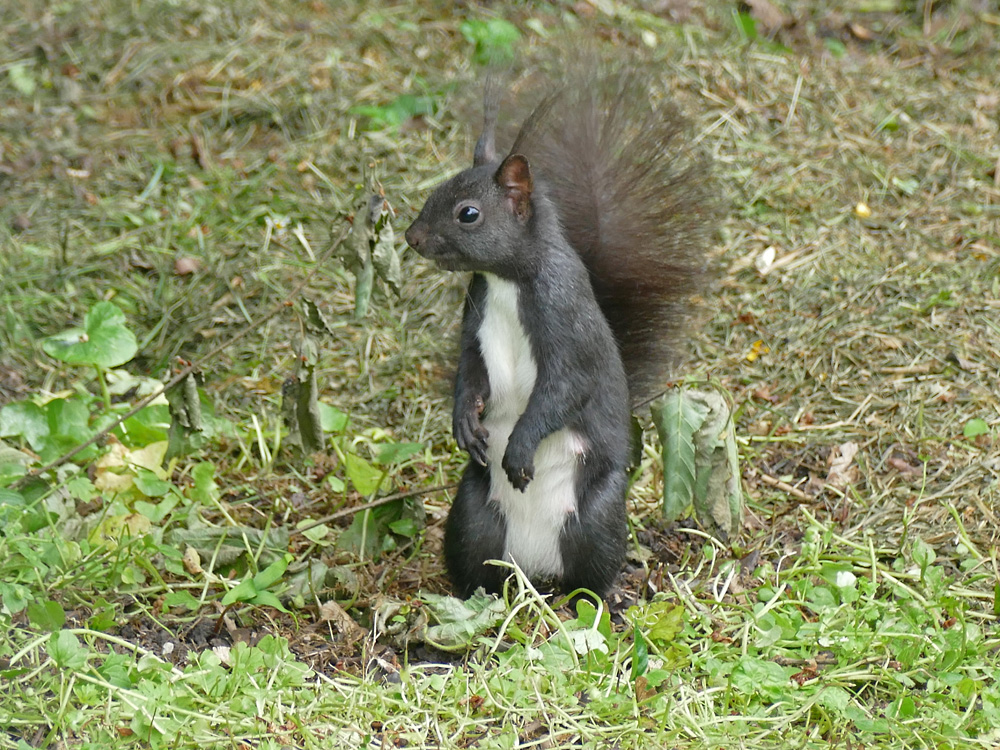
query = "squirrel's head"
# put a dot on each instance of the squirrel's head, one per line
(475, 221)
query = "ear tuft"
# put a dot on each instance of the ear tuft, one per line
(514, 177)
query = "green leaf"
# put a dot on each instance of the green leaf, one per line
(407, 527)
(267, 599)
(69, 425)
(396, 112)
(365, 477)
(923, 555)
(588, 641)
(14, 597)
(835, 699)
(26, 420)
(835, 47)
(156, 512)
(941, 298)
(205, 489)
(746, 25)
(10, 499)
(151, 425)
(494, 39)
(394, 453)
(151, 485)
(22, 79)
(104, 341)
(244, 591)
(901, 709)
(270, 575)
(753, 676)
(668, 621)
(640, 653)
(47, 615)
(974, 428)
(103, 618)
(586, 613)
(67, 651)
(315, 534)
(331, 418)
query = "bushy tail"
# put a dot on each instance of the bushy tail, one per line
(637, 203)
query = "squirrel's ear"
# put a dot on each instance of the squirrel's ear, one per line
(486, 150)
(514, 177)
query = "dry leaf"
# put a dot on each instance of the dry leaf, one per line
(768, 14)
(860, 32)
(330, 611)
(765, 260)
(842, 471)
(192, 561)
(186, 265)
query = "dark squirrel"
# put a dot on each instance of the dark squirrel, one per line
(586, 243)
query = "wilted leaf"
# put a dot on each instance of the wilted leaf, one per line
(700, 461)
(150, 458)
(185, 415)
(384, 254)
(307, 410)
(186, 265)
(226, 544)
(314, 317)
(677, 418)
(461, 621)
(192, 561)
(370, 247)
(331, 611)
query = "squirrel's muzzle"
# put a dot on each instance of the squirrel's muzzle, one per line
(416, 236)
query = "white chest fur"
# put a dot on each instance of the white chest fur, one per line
(536, 516)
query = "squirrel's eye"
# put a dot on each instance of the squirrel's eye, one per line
(468, 214)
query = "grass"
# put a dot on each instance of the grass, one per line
(189, 163)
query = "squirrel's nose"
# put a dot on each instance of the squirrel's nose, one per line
(416, 236)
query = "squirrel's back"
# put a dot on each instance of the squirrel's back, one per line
(635, 200)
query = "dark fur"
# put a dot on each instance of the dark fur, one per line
(635, 201)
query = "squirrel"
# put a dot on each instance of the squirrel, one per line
(585, 242)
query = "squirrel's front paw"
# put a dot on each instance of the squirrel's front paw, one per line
(520, 469)
(471, 436)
